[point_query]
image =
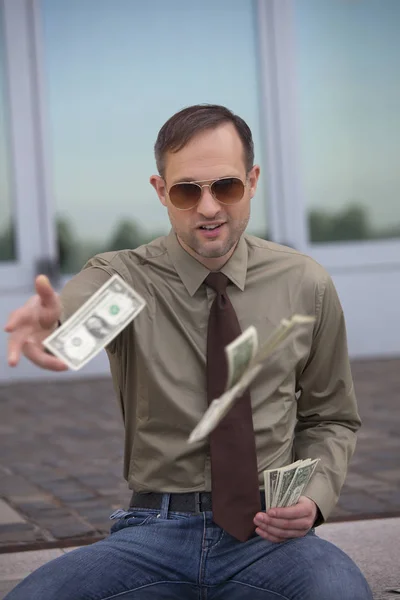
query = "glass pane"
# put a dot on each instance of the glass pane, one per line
(7, 242)
(115, 72)
(348, 57)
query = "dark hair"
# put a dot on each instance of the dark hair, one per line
(188, 122)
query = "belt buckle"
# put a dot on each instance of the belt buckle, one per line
(197, 502)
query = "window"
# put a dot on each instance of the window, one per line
(347, 63)
(7, 241)
(115, 72)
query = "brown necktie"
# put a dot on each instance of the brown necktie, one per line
(234, 474)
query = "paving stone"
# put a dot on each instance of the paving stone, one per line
(68, 496)
(362, 504)
(391, 497)
(8, 514)
(14, 485)
(23, 532)
(70, 528)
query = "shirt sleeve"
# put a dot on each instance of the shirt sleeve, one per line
(327, 408)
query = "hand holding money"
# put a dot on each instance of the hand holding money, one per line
(280, 524)
(29, 325)
(288, 513)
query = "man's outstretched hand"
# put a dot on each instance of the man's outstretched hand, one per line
(280, 524)
(29, 325)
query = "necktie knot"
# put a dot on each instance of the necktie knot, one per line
(217, 281)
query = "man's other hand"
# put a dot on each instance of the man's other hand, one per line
(281, 524)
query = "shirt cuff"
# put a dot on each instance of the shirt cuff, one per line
(319, 490)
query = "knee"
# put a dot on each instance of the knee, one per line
(45, 584)
(335, 584)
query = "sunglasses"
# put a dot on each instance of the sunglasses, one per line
(186, 195)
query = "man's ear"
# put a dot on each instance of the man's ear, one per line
(158, 184)
(253, 179)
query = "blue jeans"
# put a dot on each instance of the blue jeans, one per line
(168, 555)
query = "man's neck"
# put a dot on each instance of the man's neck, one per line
(213, 264)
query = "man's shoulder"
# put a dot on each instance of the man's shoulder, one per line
(153, 249)
(264, 252)
(125, 262)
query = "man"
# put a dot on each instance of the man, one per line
(189, 533)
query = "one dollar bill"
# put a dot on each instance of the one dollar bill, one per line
(95, 324)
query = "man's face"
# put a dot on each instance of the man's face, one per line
(211, 155)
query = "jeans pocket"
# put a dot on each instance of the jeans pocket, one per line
(130, 518)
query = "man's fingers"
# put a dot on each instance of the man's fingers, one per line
(285, 533)
(298, 524)
(298, 511)
(15, 319)
(40, 358)
(50, 309)
(268, 536)
(47, 294)
(15, 344)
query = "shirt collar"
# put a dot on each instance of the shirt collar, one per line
(193, 273)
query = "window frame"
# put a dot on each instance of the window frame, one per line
(34, 238)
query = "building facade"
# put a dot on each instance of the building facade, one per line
(85, 87)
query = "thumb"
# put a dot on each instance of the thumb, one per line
(45, 291)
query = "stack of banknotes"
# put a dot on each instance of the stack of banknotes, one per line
(284, 486)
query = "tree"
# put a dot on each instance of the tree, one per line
(126, 235)
(351, 223)
(7, 244)
(66, 245)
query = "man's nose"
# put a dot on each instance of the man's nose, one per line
(208, 206)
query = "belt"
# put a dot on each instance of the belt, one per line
(192, 502)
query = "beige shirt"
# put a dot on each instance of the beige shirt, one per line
(303, 402)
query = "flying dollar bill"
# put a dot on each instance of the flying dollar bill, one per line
(245, 362)
(95, 324)
(240, 353)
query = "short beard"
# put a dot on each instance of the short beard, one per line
(191, 241)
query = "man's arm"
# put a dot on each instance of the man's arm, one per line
(327, 409)
(327, 422)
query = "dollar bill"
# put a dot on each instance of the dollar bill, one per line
(220, 406)
(96, 323)
(285, 477)
(281, 333)
(270, 480)
(284, 486)
(299, 483)
(240, 354)
(244, 365)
